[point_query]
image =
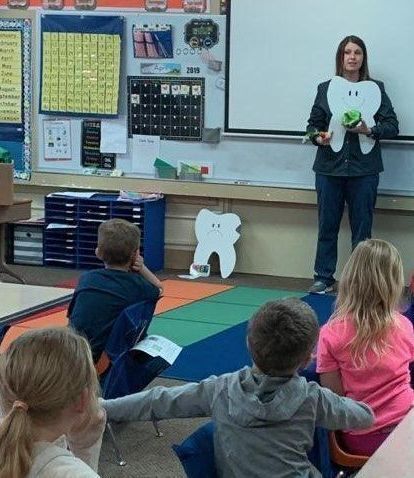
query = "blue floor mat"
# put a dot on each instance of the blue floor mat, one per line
(221, 353)
(227, 351)
(323, 306)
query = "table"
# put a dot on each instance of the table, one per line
(20, 300)
(18, 211)
(395, 457)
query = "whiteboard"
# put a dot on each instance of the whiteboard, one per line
(279, 50)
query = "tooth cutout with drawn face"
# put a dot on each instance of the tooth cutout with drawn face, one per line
(217, 233)
(344, 95)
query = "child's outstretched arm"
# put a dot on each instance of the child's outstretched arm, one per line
(341, 413)
(190, 400)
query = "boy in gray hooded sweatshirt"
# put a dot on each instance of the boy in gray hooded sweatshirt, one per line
(265, 416)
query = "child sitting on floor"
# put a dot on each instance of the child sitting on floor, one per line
(52, 424)
(365, 350)
(265, 416)
(102, 294)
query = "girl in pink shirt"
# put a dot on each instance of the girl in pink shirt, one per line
(365, 349)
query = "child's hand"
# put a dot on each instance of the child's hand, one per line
(89, 428)
(138, 264)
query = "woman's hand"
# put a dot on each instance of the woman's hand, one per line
(361, 128)
(324, 138)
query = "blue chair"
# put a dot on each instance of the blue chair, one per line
(409, 313)
(196, 453)
(130, 327)
(129, 371)
(3, 331)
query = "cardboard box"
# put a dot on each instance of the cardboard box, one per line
(6, 184)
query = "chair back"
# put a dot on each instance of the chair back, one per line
(130, 327)
(196, 453)
(343, 458)
(127, 372)
(3, 331)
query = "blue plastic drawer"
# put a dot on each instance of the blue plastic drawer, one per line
(94, 206)
(88, 213)
(86, 251)
(66, 249)
(85, 235)
(50, 262)
(56, 255)
(60, 234)
(89, 223)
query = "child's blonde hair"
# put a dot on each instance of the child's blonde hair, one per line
(41, 373)
(369, 292)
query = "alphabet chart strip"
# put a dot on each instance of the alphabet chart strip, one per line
(16, 93)
(11, 78)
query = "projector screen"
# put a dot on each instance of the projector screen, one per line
(279, 50)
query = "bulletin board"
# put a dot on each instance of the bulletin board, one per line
(187, 81)
(16, 93)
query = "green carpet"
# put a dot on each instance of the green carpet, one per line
(212, 312)
(193, 322)
(184, 332)
(252, 295)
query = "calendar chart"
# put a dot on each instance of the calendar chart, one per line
(172, 108)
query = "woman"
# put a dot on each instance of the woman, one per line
(347, 176)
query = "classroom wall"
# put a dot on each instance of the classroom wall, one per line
(106, 3)
(277, 238)
(279, 226)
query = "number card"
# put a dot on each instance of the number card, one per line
(80, 69)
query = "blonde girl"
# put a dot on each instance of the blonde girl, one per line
(48, 393)
(365, 350)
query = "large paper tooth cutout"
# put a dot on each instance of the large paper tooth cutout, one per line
(217, 233)
(344, 95)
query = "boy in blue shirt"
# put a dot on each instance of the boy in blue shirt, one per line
(102, 294)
